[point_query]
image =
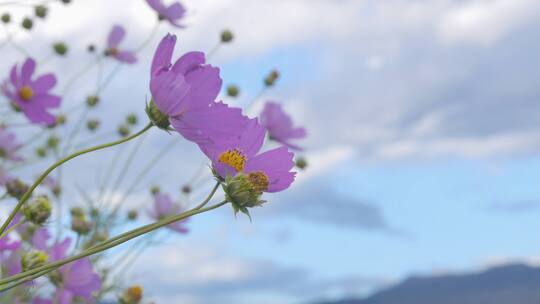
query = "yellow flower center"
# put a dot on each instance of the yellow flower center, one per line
(26, 93)
(135, 292)
(259, 180)
(234, 158)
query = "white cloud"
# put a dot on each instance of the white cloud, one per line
(485, 21)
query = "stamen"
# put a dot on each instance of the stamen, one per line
(234, 158)
(26, 93)
(259, 180)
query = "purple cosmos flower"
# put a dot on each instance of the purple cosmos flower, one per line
(279, 125)
(163, 207)
(9, 145)
(271, 169)
(172, 13)
(79, 281)
(115, 37)
(56, 251)
(32, 96)
(186, 91)
(78, 278)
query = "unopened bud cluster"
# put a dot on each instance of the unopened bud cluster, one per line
(33, 259)
(38, 210)
(79, 223)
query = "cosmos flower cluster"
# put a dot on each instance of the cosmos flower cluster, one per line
(247, 156)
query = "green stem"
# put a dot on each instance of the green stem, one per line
(28, 193)
(210, 196)
(109, 244)
(25, 280)
(12, 228)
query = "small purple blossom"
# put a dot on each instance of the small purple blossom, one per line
(186, 92)
(9, 244)
(164, 207)
(56, 251)
(9, 145)
(280, 126)
(115, 37)
(30, 95)
(78, 278)
(78, 281)
(271, 168)
(172, 13)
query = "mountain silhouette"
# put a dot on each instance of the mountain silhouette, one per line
(510, 284)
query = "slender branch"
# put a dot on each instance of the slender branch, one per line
(208, 197)
(108, 244)
(28, 193)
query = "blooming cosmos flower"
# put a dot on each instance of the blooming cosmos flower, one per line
(78, 278)
(279, 125)
(163, 207)
(32, 95)
(77, 281)
(185, 93)
(115, 37)
(56, 251)
(172, 13)
(268, 171)
(8, 145)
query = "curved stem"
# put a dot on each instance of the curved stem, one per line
(15, 226)
(109, 244)
(29, 192)
(208, 198)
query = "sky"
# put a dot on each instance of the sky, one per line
(422, 120)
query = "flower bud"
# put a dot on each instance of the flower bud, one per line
(132, 214)
(92, 124)
(301, 163)
(6, 18)
(80, 225)
(38, 211)
(159, 119)
(123, 130)
(60, 119)
(131, 119)
(41, 152)
(33, 259)
(233, 90)
(132, 295)
(77, 212)
(226, 36)
(271, 78)
(155, 190)
(40, 11)
(52, 142)
(243, 191)
(92, 101)
(186, 189)
(60, 48)
(16, 188)
(27, 23)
